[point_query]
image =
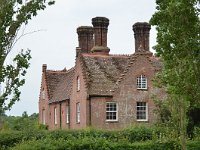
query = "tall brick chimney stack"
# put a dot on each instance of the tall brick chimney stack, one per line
(85, 38)
(141, 34)
(44, 68)
(100, 25)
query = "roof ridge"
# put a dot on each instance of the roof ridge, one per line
(60, 71)
(120, 55)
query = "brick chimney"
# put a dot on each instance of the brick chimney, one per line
(141, 34)
(44, 68)
(85, 38)
(100, 25)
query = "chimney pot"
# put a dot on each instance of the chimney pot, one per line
(44, 67)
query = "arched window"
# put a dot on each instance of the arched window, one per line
(78, 113)
(67, 114)
(55, 116)
(78, 83)
(141, 82)
(43, 117)
(43, 93)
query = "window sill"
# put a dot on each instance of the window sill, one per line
(111, 121)
(77, 122)
(142, 120)
(145, 89)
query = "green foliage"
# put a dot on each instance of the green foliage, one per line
(196, 133)
(93, 144)
(23, 123)
(10, 138)
(14, 14)
(90, 139)
(178, 45)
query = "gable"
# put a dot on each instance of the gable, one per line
(102, 72)
(59, 84)
(140, 64)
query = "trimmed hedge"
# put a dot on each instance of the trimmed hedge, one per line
(133, 138)
(94, 144)
(10, 138)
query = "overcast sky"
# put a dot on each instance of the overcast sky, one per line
(55, 44)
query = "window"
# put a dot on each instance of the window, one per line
(55, 116)
(43, 116)
(142, 111)
(67, 114)
(43, 93)
(77, 112)
(78, 84)
(141, 82)
(111, 111)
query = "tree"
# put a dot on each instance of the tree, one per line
(13, 15)
(178, 45)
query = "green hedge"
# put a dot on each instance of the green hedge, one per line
(132, 138)
(93, 144)
(101, 144)
(10, 138)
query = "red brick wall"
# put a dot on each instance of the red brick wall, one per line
(43, 103)
(78, 97)
(127, 96)
(61, 115)
(98, 113)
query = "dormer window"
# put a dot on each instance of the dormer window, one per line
(78, 83)
(141, 82)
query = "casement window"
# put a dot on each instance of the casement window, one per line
(78, 83)
(78, 112)
(142, 111)
(111, 111)
(43, 93)
(67, 114)
(141, 82)
(55, 116)
(43, 117)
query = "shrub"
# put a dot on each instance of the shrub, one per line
(196, 133)
(93, 144)
(193, 145)
(10, 138)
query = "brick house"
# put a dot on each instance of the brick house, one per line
(102, 90)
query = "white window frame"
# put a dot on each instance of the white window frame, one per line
(67, 114)
(55, 116)
(78, 113)
(78, 83)
(109, 110)
(43, 117)
(142, 109)
(142, 82)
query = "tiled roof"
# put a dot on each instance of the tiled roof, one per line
(59, 84)
(102, 72)
(156, 62)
